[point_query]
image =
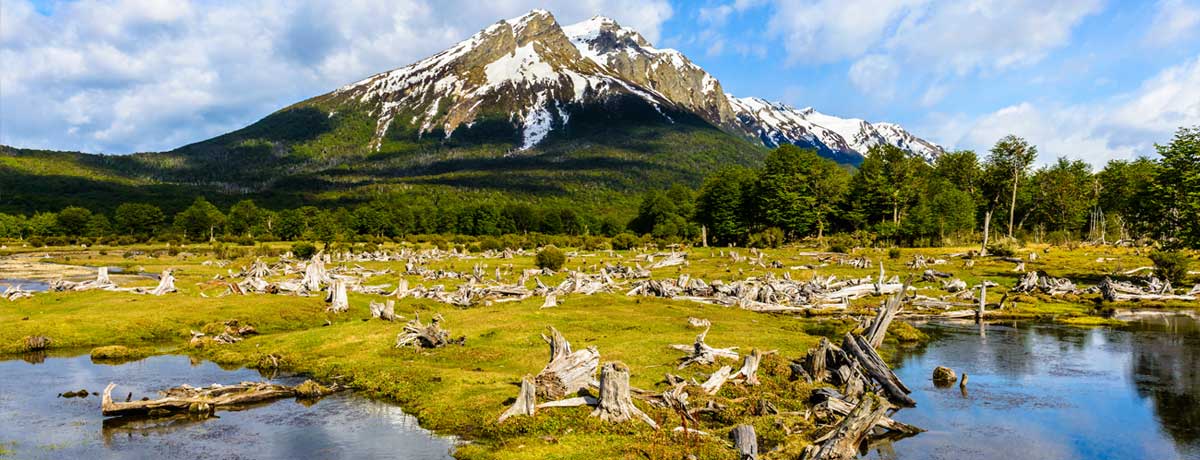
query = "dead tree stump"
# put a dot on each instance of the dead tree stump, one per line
(526, 403)
(842, 443)
(745, 442)
(615, 404)
(567, 371)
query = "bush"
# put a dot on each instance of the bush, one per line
(1007, 249)
(894, 253)
(595, 243)
(624, 241)
(769, 238)
(1172, 265)
(490, 243)
(550, 257)
(303, 250)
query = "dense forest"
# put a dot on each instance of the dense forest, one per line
(892, 198)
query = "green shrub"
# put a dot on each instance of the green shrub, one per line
(769, 238)
(490, 243)
(550, 257)
(894, 253)
(303, 249)
(624, 241)
(595, 243)
(1171, 265)
(1006, 249)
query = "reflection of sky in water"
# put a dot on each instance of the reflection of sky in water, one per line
(28, 285)
(338, 426)
(1054, 392)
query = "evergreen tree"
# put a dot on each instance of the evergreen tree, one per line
(1178, 186)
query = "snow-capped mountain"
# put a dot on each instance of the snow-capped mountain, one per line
(776, 124)
(532, 74)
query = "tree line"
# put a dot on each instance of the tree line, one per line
(891, 198)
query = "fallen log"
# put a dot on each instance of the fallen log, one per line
(842, 443)
(615, 404)
(874, 367)
(567, 371)
(883, 319)
(716, 380)
(186, 398)
(842, 408)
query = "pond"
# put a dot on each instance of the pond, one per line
(1042, 391)
(40, 424)
(26, 284)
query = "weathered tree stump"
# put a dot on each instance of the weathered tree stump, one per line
(385, 311)
(37, 343)
(526, 403)
(417, 334)
(745, 442)
(749, 370)
(166, 284)
(615, 404)
(567, 371)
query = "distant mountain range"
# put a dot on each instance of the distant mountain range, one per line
(525, 106)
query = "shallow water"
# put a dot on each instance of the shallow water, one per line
(26, 284)
(1039, 391)
(36, 423)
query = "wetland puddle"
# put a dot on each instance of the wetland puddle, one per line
(39, 424)
(1041, 391)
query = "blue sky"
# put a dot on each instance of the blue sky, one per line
(1088, 79)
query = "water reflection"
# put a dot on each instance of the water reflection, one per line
(1055, 392)
(338, 426)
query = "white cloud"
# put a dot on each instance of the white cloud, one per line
(1121, 127)
(875, 75)
(1174, 21)
(134, 75)
(932, 40)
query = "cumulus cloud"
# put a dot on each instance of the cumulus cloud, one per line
(134, 75)
(1122, 127)
(875, 74)
(1174, 21)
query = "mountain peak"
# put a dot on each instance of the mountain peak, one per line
(531, 73)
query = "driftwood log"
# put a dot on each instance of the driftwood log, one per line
(878, 328)
(567, 371)
(615, 404)
(206, 400)
(842, 408)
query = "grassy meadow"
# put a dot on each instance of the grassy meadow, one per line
(461, 390)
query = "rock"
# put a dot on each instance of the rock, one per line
(944, 376)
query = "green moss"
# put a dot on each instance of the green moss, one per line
(120, 353)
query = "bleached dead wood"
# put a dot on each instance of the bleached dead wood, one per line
(417, 334)
(716, 380)
(567, 371)
(749, 371)
(338, 302)
(873, 366)
(385, 310)
(841, 407)
(702, 353)
(14, 292)
(878, 328)
(526, 403)
(185, 398)
(745, 442)
(550, 302)
(842, 443)
(166, 284)
(615, 404)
